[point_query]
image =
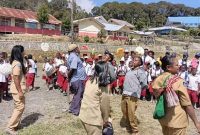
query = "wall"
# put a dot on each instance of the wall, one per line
(89, 28)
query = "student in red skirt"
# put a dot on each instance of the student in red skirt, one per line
(8, 77)
(113, 85)
(194, 87)
(30, 76)
(121, 72)
(2, 79)
(50, 70)
(62, 80)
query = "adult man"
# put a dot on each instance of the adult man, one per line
(95, 108)
(77, 76)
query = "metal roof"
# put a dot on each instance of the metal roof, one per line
(185, 19)
(121, 22)
(24, 14)
(166, 28)
(112, 27)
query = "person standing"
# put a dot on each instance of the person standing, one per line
(17, 88)
(135, 82)
(77, 76)
(95, 107)
(30, 76)
(177, 102)
(2, 79)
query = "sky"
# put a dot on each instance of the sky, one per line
(89, 4)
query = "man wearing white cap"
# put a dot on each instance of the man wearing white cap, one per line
(77, 77)
(127, 57)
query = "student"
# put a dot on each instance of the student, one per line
(113, 85)
(89, 68)
(193, 87)
(130, 66)
(2, 79)
(178, 106)
(17, 88)
(135, 81)
(184, 74)
(30, 76)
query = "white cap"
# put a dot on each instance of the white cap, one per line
(126, 50)
(122, 59)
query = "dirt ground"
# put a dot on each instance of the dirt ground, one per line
(44, 115)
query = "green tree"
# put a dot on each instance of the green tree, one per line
(43, 14)
(86, 39)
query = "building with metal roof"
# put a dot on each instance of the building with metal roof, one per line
(121, 22)
(25, 21)
(187, 21)
(93, 25)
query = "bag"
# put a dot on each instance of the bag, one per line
(108, 129)
(159, 111)
(104, 78)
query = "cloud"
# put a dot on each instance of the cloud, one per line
(87, 5)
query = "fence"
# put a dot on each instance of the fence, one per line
(62, 46)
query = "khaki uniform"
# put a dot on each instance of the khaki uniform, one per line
(129, 106)
(19, 104)
(95, 108)
(176, 119)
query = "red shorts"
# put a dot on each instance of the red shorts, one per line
(121, 81)
(30, 78)
(143, 93)
(49, 79)
(150, 88)
(113, 84)
(193, 96)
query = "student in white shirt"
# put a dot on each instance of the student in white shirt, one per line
(184, 74)
(2, 78)
(89, 67)
(30, 76)
(194, 87)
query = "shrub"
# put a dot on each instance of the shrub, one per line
(86, 39)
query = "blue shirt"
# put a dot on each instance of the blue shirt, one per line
(74, 62)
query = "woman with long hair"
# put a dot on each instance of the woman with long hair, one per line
(17, 88)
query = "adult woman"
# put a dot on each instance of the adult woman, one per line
(178, 104)
(17, 88)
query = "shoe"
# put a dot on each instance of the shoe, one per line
(64, 94)
(11, 131)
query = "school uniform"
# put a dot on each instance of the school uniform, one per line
(122, 70)
(193, 82)
(174, 115)
(3, 82)
(19, 104)
(48, 70)
(184, 76)
(62, 80)
(30, 76)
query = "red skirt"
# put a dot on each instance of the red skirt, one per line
(150, 88)
(65, 85)
(60, 79)
(143, 93)
(113, 84)
(121, 81)
(30, 79)
(193, 96)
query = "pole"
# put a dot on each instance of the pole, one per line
(72, 25)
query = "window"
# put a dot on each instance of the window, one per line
(49, 26)
(31, 25)
(119, 34)
(20, 23)
(110, 33)
(57, 27)
(125, 34)
(5, 21)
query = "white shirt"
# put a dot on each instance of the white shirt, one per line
(180, 62)
(193, 82)
(32, 64)
(155, 72)
(58, 62)
(63, 70)
(147, 59)
(2, 76)
(89, 70)
(84, 64)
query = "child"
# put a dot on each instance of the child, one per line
(89, 68)
(121, 72)
(62, 79)
(113, 85)
(184, 74)
(130, 66)
(193, 87)
(177, 101)
(50, 70)
(2, 79)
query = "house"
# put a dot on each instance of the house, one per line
(120, 22)
(186, 21)
(93, 25)
(25, 21)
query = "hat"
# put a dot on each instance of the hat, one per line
(85, 57)
(71, 47)
(89, 60)
(126, 51)
(122, 59)
(100, 55)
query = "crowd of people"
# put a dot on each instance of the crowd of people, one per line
(92, 79)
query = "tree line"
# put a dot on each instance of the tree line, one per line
(139, 14)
